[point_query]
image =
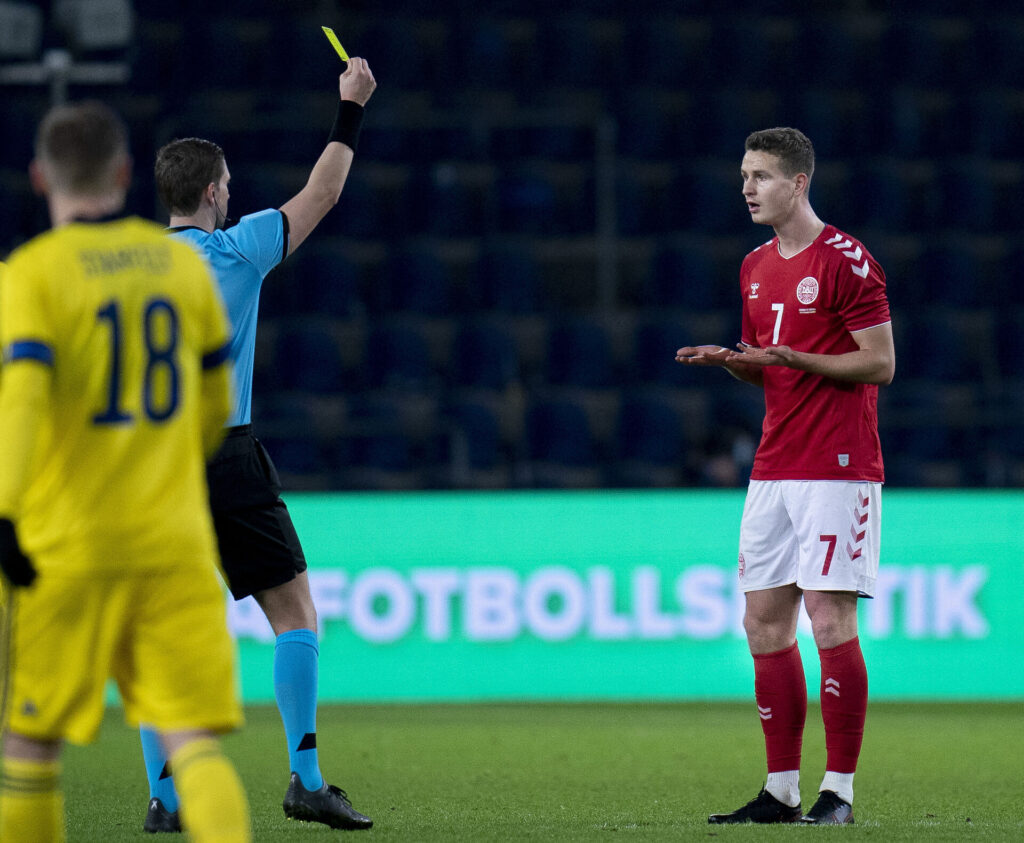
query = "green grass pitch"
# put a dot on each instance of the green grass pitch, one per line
(551, 772)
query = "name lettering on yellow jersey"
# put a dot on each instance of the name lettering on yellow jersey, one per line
(152, 259)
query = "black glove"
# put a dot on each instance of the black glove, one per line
(13, 562)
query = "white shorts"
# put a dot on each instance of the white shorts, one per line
(822, 535)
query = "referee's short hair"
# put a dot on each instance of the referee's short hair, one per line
(791, 146)
(80, 146)
(183, 169)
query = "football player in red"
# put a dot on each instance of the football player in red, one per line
(817, 339)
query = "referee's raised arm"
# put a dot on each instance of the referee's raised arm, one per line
(326, 180)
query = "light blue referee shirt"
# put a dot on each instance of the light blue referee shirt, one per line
(240, 258)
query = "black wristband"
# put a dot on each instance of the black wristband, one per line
(347, 124)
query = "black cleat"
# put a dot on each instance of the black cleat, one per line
(328, 805)
(763, 808)
(159, 819)
(829, 810)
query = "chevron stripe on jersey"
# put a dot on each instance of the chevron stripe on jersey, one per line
(815, 428)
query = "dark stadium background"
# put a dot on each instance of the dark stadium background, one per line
(546, 204)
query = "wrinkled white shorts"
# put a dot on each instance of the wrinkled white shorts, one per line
(823, 535)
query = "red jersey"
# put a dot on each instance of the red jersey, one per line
(815, 428)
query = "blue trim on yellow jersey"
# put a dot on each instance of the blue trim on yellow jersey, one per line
(217, 357)
(29, 350)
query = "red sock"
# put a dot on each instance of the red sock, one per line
(781, 691)
(844, 704)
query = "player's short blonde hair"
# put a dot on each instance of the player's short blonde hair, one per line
(80, 147)
(791, 146)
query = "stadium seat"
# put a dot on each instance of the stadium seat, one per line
(579, 354)
(953, 275)
(843, 123)
(156, 56)
(727, 115)
(308, 357)
(736, 406)
(999, 123)
(644, 198)
(654, 354)
(648, 430)
(528, 203)
(888, 194)
(932, 51)
(684, 273)
(474, 437)
(929, 123)
(384, 439)
(999, 63)
(1006, 433)
(279, 294)
(389, 142)
(670, 51)
(324, 282)
(548, 199)
(931, 433)
(507, 278)
(415, 279)
(398, 50)
(297, 38)
(22, 213)
(714, 195)
(364, 210)
(559, 432)
(848, 50)
(295, 455)
(978, 195)
(948, 344)
(292, 138)
(1009, 330)
(572, 50)
(447, 200)
(759, 42)
(485, 54)
(386, 451)
(555, 138)
(653, 124)
(484, 356)
(397, 357)
(237, 49)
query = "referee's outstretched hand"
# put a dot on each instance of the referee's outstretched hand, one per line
(16, 566)
(357, 82)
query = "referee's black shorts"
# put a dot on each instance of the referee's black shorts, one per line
(259, 547)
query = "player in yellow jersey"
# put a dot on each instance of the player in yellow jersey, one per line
(114, 391)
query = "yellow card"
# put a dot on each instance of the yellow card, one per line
(335, 42)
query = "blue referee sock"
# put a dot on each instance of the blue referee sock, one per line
(296, 666)
(161, 785)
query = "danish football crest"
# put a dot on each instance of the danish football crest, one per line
(807, 290)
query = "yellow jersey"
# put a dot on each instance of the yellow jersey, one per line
(120, 335)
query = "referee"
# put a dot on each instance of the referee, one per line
(258, 544)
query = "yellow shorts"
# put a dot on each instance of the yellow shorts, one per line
(162, 635)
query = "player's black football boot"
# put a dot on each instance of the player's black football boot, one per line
(763, 808)
(159, 819)
(328, 805)
(829, 810)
